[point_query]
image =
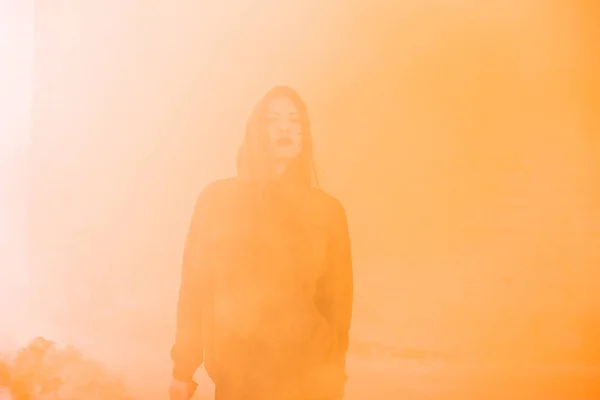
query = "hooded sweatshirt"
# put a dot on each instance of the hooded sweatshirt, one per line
(266, 289)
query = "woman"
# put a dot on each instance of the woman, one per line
(266, 289)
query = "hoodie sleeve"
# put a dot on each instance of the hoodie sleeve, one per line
(337, 291)
(188, 353)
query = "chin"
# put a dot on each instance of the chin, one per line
(286, 155)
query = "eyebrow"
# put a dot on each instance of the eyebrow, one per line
(276, 114)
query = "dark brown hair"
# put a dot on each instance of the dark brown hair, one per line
(254, 159)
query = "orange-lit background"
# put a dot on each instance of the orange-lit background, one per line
(462, 137)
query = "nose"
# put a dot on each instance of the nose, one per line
(284, 126)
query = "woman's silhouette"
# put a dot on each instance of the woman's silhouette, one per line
(266, 289)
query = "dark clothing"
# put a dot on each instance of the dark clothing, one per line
(266, 292)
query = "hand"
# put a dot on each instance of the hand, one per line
(180, 390)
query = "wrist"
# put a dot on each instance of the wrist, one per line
(182, 374)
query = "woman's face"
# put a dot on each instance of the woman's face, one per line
(284, 129)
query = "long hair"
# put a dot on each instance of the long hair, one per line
(279, 206)
(254, 159)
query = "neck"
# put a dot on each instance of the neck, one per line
(280, 167)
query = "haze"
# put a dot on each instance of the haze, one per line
(462, 137)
